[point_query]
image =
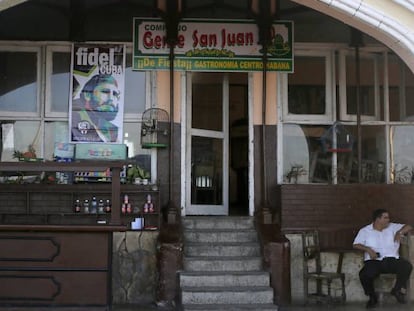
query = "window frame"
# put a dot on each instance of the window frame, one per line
(381, 56)
(149, 89)
(50, 49)
(36, 48)
(329, 88)
(44, 53)
(343, 115)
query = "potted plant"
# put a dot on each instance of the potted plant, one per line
(137, 175)
(28, 155)
(296, 174)
(144, 175)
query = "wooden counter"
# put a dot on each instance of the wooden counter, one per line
(51, 267)
(50, 257)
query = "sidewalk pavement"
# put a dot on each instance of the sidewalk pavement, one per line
(357, 306)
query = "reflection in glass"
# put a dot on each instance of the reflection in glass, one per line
(55, 132)
(18, 76)
(367, 86)
(304, 159)
(373, 157)
(18, 136)
(132, 139)
(207, 101)
(60, 80)
(306, 88)
(135, 96)
(402, 154)
(206, 171)
(308, 160)
(401, 90)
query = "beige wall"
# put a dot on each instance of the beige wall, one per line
(271, 98)
(163, 93)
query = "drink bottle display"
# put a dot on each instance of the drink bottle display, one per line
(107, 206)
(77, 207)
(94, 206)
(86, 206)
(101, 206)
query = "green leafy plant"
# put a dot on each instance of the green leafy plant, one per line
(135, 171)
(25, 155)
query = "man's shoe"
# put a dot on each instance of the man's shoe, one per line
(372, 302)
(399, 296)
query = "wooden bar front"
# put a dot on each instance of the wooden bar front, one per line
(47, 268)
(52, 258)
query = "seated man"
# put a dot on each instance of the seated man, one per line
(380, 242)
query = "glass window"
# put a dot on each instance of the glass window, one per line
(402, 153)
(132, 138)
(373, 156)
(20, 69)
(206, 167)
(369, 86)
(59, 82)
(306, 90)
(135, 94)
(207, 101)
(408, 92)
(306, 157)
(401, 91)
(141, 157)
(18, 138)
(135, 103)
(305, 161)
(309, 93)
(309, 157)
(55, 132)
(19, 81)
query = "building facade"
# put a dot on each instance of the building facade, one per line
(239, 138)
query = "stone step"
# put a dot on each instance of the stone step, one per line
(223, 267)
(218, 222)
(226, 295)
(224, 279)
(222, 249)
(222, 263)
(231, 307)
(219, 236)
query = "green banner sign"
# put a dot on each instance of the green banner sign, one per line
(212, 45)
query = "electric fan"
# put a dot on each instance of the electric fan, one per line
(337, 139)
(155, 128)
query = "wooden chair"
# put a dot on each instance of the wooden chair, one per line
(312, 272)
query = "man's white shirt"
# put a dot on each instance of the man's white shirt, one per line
(381, 242)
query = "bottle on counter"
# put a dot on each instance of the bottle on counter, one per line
(108, 206)
(101, 206)
(77, 206)
(149, 206)
(125, 204)
(94, 206)
(128, 206)
(86, 206)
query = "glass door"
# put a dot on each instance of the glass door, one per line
(207, 143)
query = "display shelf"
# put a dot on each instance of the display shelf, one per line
(54, 204)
